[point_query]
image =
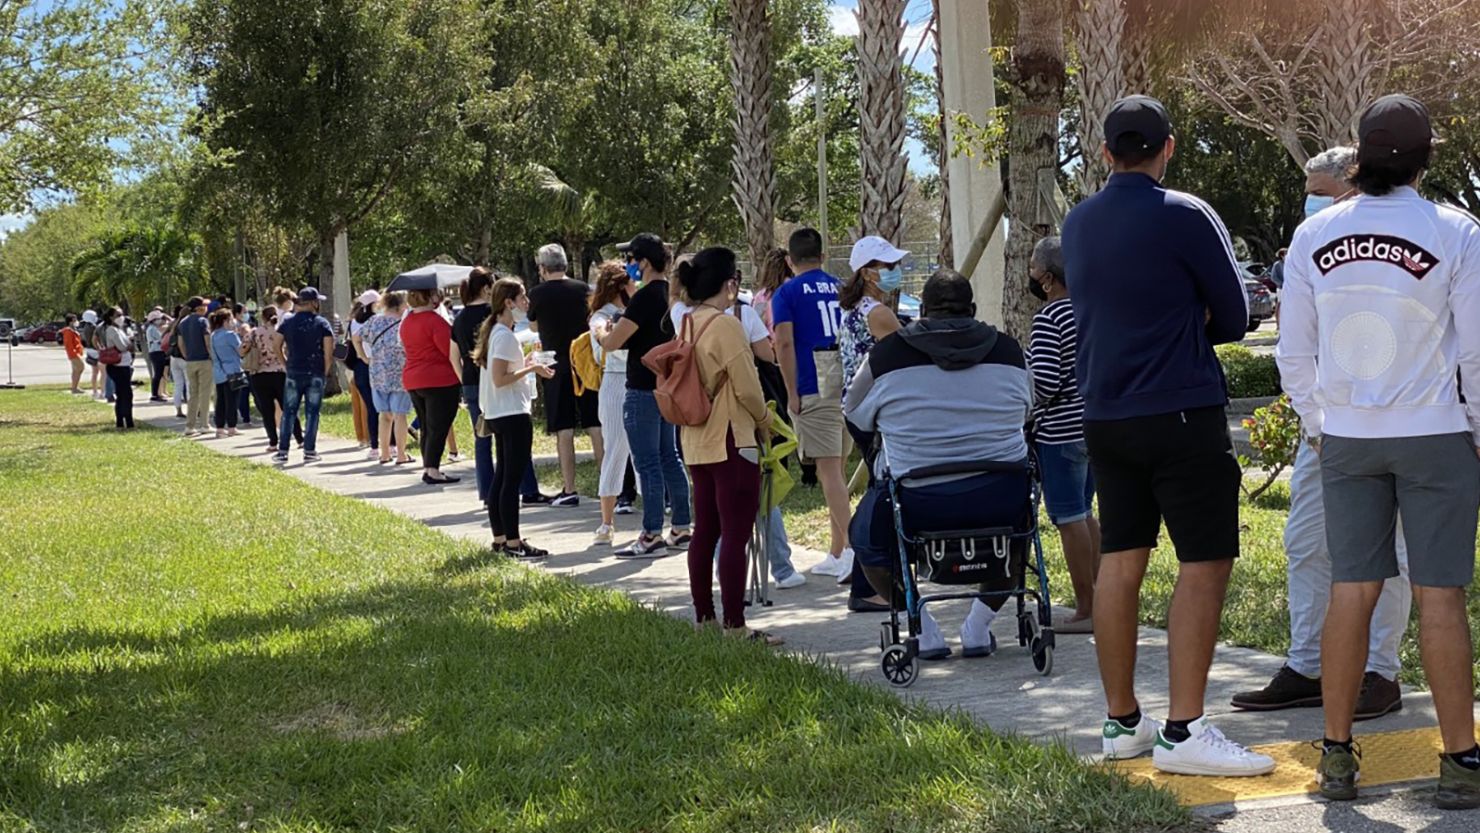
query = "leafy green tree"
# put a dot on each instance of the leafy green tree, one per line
(134, 265)
(36, 261)
(321, 110)
(77, 80)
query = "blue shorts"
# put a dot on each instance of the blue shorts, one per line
(1068, 485)
(397, 402)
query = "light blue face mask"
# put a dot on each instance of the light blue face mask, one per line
(1315, 204)
(891, 279)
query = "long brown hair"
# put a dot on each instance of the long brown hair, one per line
(611, 279)
(851, 293)
(504, 291)
(774, 272)
(471, 290)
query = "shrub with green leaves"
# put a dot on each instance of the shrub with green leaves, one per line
(1274, 436)
(1249, 374)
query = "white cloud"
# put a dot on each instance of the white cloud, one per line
(842, 20)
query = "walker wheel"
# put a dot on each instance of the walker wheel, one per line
(900, 670)
(1042, 657)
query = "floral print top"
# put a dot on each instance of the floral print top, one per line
(269, 360)
(855, 340)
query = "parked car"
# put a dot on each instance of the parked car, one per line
(1261, 303)
(44, 333)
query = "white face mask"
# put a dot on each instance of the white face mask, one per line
(520, 316)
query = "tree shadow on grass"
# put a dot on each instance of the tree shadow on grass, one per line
(493, 699)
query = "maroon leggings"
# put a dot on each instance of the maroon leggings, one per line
(726, 498)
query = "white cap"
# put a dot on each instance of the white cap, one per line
(154, 315)
(369, 297)
(89, 316)
(873, 248)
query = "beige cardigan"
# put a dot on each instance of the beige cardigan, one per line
(724, 356)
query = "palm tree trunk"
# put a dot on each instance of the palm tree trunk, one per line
(1098, 30)
(943, 158)
(1347, 69)
(882, 117)
(1038, 78)
(753, 164)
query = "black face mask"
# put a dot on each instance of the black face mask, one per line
(1037, 289)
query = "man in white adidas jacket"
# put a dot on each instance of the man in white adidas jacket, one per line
(1380, 325)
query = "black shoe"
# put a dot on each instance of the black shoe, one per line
(1288, 690)
(432, 481)
(536, 499)
(624, 506)
(311, 457)
(1379, 696)
(526, 552)
(566, 499)
(862, 605)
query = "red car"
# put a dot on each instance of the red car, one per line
(45, 333)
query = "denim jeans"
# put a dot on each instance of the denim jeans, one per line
(780, 548)
(308, 389)
(483, 453)
(655, 456)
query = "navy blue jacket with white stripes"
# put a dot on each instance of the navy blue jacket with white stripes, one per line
(1154, 284)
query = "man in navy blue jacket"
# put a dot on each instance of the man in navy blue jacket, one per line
(1154, 284)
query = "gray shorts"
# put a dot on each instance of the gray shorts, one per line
(1434, 481)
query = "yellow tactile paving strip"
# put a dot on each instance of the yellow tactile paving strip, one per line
(1387, 758)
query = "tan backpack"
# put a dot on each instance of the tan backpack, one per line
(682, 399)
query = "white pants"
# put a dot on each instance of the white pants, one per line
(177, 373)
(1310, 580)
(613, 433)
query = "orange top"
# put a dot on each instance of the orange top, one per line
(72, 342)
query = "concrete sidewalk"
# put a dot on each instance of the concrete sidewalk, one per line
(1003, 691)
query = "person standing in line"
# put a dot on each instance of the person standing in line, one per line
(608, 303)
(72, 344)
(243, 396)
(431, 378)
(359, 416)
(1156, 429)
(177, 360)
(226, 362)
(644, 326)
(807, 317)
(88, 332)
(270, 380)
(192, 333)
(361, 369)
(115, 334)
(380, 343)
(306, 343)
(723, 453)
(867, 318)
(558, 310)
(1058, 431)
(506, 396)
(465, 328)
(1298, 682)
(1380, 353)
(159, 360)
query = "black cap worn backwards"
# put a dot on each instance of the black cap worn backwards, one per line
(645, 246)
(1136, 123)
(1391, 126)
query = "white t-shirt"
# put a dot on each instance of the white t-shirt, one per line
(616, 360)
(755, 326)
(509, 400)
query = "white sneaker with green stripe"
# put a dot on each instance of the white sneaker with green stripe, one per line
(1208, 752)
(1121, 741)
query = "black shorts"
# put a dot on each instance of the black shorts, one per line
(1178, 468)
(564, 411)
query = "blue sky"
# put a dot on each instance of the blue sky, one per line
(917, 19)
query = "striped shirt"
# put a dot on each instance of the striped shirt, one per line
(1058, 408)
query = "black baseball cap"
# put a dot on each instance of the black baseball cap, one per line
(1136, 123)
(1392, 126)
(309, 295)
(645, 246)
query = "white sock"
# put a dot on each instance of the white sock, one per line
(976, 631)
(931, 638)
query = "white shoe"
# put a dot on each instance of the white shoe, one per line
(845, 566)
(828, 566)
(372, 454)
(793, 580)
(1208, 752)
(604, 534)
(1120, 743)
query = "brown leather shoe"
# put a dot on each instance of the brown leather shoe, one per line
(1379, 696)
(1288, 690)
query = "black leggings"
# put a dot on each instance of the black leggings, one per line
(225, 406)
(267, 389)
(159, 366)
(436, 408)
(123, 393)
(513, 437)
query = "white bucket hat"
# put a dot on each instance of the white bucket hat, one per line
(872, 248)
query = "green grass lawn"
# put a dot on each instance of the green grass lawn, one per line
(191, 642)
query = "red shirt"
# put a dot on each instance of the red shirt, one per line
(427, 338)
